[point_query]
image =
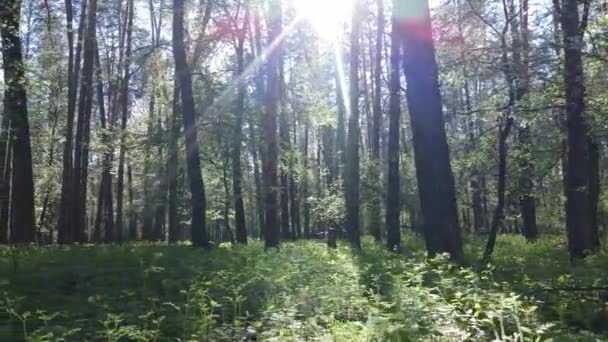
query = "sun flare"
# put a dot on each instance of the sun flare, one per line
(327, 17)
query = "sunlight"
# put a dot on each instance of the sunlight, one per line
(327, 17)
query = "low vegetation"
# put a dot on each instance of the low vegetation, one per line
(303, 291)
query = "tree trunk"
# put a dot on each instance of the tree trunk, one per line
(16, 112)
(237, 172)
(351, 172)
(306, 183)
(578, 206)
(105, 210)
(432, 157)
(6, 179)
(269, 123)
(65, 223)
(172, 162)
(160, 211)
(498, 218)
(594, 189)
(527, 202)
(393, 203)
(285, 147)
(83, 128)
(132, 212)
(124, 97)
(195, 178)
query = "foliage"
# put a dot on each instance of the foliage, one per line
(302, 292)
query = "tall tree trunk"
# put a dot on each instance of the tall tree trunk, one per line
(578, 206)
(6, 180)
(83, 128)
(351, 172)
(16, 112)
(375, 221)
(124, 108)
(306, 183)
(269, 123)
(195, 177)
(432, 156)
(253, 126)
(65, 223)
(393, 203)
(285, 147)
(237, 172)
(341, 125)
(105, 209)
(527, 202)
(594, 189)
(132, 212)
(160, 210)
(172, 166)
(498, 218)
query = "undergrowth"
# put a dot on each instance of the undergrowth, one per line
(303, 291)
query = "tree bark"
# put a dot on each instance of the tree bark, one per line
(195, 178)
(16, 112)
(83, 128)
(172, 162)
(105, 210)
(393, 203)
(237, 172)
(124, 104)
(269, 123)
(432, 156)
(578, 206)
(351, 172)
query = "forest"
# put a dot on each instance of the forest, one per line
(304, 170)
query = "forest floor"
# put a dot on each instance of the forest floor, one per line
(301, 292)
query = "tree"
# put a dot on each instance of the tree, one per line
(16, 114)
(376, 201)
(269, 128)
(433, 170)
(578, 204)
(124, 110)
(393, 203)
(195, 178)
(83, 127)
(351, 172)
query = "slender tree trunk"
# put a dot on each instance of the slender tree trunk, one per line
(269, 123)
(285, 147)
(578, 206)
(6, 179)
(16, 111)
(83, 128)
(132, 212)
(172, 166)
(393, 203)
(306, 183)
(375, 221)
(124, 108)
(65, 226)
(498, 218)
(160, 211)
(434, 173)
(594, 189)
(341, 126)
(527, 202)
(105, 210)
(237, 172)
(351, 172)
(195, 178)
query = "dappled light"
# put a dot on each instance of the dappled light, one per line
(303, 170)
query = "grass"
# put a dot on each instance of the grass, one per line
(301, 292)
